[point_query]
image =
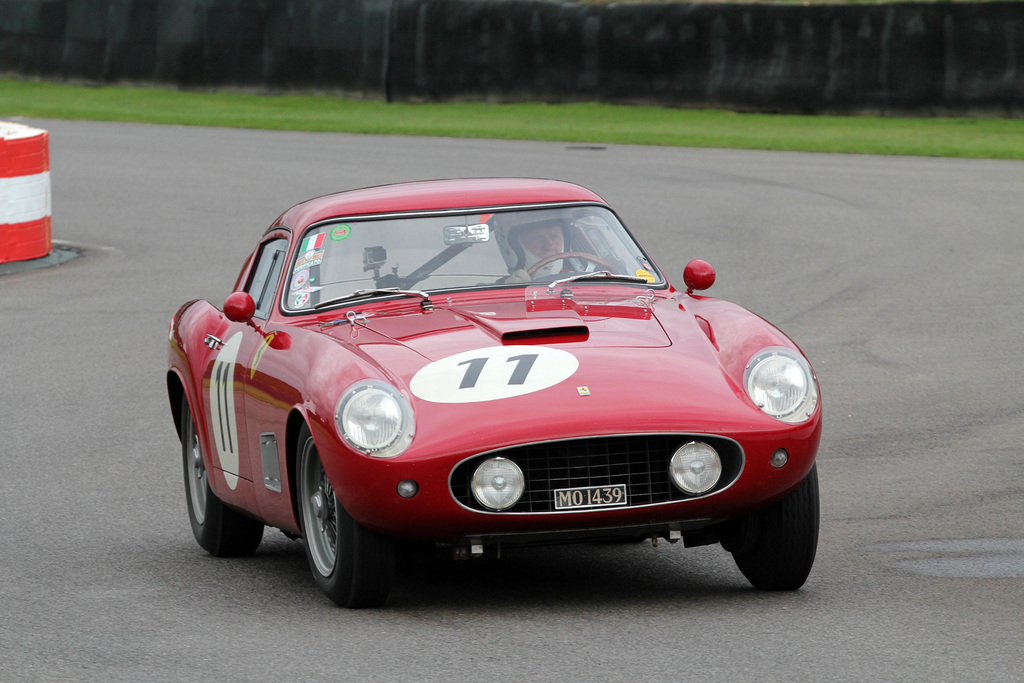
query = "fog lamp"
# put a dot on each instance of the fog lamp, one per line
(498, 484)
(695, 467)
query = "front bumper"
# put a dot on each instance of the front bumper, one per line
(367, 488)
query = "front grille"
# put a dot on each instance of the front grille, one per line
(638, 461)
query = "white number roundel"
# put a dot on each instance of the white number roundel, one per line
(492, 373)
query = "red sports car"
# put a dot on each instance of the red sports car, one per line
(486, 362)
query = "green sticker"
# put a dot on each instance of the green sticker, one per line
(341, 232)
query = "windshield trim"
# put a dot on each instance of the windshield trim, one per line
(495, 208)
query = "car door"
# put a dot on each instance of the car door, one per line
(266, 418)
(228, 371)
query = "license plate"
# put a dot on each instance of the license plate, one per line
(590, 497)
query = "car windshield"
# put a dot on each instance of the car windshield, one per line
(341, 261)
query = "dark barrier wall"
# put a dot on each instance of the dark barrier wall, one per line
(322, 44)
(944, 57)
(764, 57)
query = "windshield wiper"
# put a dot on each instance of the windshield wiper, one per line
(361, 293)
(598, 274)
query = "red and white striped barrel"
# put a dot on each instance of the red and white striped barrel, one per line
(24, 192)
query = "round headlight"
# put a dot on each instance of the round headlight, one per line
(373, 417)
(498, 484)
(779, 382)
(695, 467)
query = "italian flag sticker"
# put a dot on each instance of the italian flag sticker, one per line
(312, 242)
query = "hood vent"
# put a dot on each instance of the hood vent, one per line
(547, 335)
(512, 324)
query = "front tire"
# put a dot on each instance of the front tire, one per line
(775, 547)
(218, 529)
(352, 565)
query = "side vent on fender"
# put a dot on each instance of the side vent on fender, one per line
(706, 327)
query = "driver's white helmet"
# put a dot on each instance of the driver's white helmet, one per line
(507, 228)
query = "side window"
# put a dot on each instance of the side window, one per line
(265, 275)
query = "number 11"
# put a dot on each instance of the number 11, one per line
(476, 365)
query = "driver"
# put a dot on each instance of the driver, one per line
(527, 244)
(540, 241)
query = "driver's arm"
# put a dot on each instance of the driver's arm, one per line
(519, 275)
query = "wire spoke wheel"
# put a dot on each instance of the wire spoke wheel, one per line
(319, 510)
(218, 529)
(352, 565)
(195, 472)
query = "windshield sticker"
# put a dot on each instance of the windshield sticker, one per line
(312, 242)
(301, 299)
(341, 232)
(300, 280)
(493, 373)
(311, 259)
(647, 275)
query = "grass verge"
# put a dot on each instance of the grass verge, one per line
(589, 123)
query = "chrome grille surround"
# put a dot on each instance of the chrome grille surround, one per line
(640, 461)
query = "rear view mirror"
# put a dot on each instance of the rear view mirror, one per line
(466, 234)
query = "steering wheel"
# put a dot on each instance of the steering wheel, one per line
(593, 258)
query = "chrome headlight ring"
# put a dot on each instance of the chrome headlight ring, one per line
(375, 419)
(780, 382)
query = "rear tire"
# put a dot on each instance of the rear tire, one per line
(352, 565)
(218, 529)
(775, 547)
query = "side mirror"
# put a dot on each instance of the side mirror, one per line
(698, 275)
(239, 307)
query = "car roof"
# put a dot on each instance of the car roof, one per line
(435, 195)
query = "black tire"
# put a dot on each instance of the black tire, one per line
(775, 547)
(218, 529)
(352, 565)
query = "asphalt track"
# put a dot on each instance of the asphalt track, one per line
(901, 278)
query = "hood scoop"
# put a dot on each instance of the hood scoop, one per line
(547, 335)
(539, 327)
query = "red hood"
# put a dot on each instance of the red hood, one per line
(632, 368)
(456, 328)
(402, 338)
